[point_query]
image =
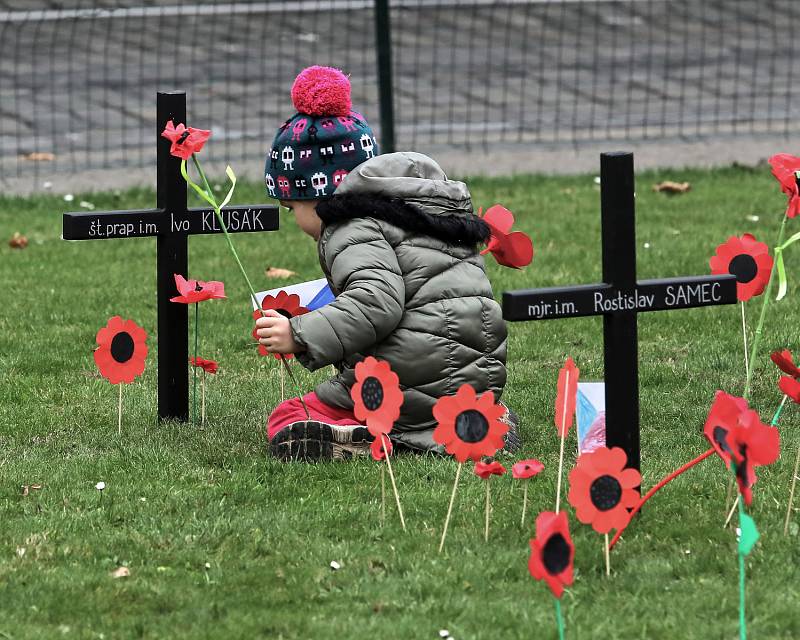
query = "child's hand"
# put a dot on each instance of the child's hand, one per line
(274, 333)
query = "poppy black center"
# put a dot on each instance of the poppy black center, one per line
(372, 393)
(122, 347)
(183, 137)
(284, 313)
(720, 435)
(741, 468)
(197, 287)
(605, 492)
(555, 554)
(471, 426)
(744, 267)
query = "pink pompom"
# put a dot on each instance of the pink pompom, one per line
(321, 91)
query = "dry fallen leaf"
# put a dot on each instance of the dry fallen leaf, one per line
(39, 156)
(27, 488)
(18, 241)
(672, 187)
(121, 572)
(278, 272)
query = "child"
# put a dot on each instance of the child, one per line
(397, 242)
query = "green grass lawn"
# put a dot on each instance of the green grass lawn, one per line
(223, 542)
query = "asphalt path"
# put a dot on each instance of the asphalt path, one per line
(489, 87)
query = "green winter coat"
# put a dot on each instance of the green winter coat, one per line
(398, 247)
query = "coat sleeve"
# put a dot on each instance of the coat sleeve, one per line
(370, 301)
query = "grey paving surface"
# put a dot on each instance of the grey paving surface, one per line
(523, 86)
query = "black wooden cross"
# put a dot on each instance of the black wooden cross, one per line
(618, 299)
(171, 222)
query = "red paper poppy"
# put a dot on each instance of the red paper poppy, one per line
(785, 362)
(185, 140)
(748, 260)
(288, 305)
(485, 469)
(785, 168)
(376, 395)
(196, 290)
(791, 387)
(469, 426)
(121, 350)
(566, 397)
(209, 366)
(723, 418)
(511, 249)
(380, 448)
(552, 552)
(602, 490)
(525, 469)
(740, 438)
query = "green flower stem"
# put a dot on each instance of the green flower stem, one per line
(224, 227)
(777, 415)
(763, 315)
(742, 619)
(743, 531)
(559, 619)
(196, 333)
(742, 622)
(218, 213)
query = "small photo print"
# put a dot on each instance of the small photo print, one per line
(590, 408)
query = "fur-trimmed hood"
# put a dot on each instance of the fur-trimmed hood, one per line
(410, 191)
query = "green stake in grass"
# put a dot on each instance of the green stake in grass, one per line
(748, 536)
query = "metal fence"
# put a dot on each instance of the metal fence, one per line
(78, 79)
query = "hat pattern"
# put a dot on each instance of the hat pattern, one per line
(311, 155)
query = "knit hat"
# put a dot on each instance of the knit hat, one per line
(318, 146)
